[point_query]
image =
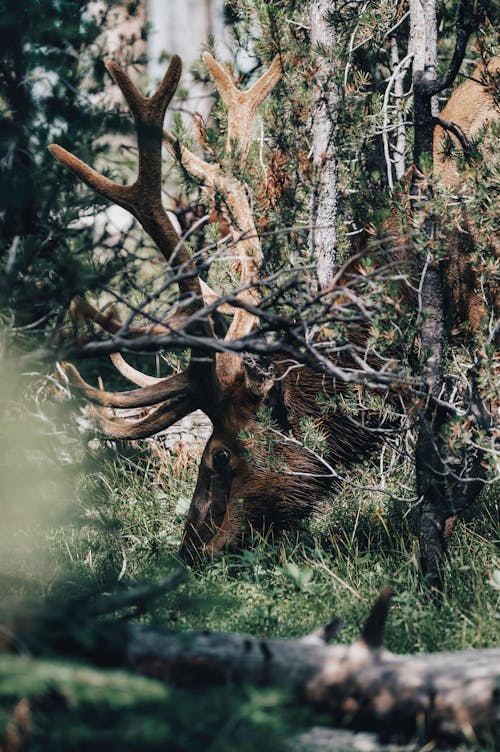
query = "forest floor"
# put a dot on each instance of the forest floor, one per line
(125, 528)
(133, 512)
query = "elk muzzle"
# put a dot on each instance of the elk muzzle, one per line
(209, 509)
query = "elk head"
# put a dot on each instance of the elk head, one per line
(218, 384)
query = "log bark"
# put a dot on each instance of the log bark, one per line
(324, 739)
(433, 697)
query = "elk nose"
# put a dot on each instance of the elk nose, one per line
(220, 460)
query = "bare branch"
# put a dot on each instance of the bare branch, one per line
(458, 132)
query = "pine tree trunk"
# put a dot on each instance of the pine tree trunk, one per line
(430, 470)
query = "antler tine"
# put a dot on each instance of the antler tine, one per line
(118, 194)
(156, 104)
(246, 242)
(225, 85)
(110, 323)
(242, 105)
(206, 171)
(265, 84)
(113, 325)
(178, 385)
(149, 113)
(132, 374)
(164, 416)
(242, 108)
(209, 297)
(143, 198)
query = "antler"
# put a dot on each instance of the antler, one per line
(143, 198)
(242, 109)
(199, 385)
(177, 385)
(82, 308)
(242, 105)
(179, 394)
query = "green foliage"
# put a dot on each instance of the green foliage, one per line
(125, 528)
(52, 81)
(37, 473)
(313, 437)
(67, 707)
(129, 503)
(122, 529)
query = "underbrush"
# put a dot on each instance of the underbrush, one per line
(131, 523)
(74, 708)
(110, 518)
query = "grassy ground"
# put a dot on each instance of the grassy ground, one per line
(132, 521)
(112, 518)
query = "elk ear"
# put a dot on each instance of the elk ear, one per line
(259, 376)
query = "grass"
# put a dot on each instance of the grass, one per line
(113, 517)
(132, 522)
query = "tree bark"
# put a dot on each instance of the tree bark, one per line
(441, 492)
(436, 697)
(423, 47)
(323, 235)
(400, 145)
(433, 488)
(430, 471)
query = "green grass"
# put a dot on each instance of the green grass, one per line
(113, 518)
(132, 525)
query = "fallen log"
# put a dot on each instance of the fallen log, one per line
(440, 697)
(324, 739)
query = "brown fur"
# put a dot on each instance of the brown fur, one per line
(273, 478)
(471, 107)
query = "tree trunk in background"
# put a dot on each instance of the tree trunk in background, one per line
(423, 47)
(323, 236)
(184, 28)
(435, 486)
(398, 150)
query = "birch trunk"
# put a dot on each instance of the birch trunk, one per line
(423, 47)
(323, 236)
(400, 145)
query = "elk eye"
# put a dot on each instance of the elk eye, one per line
(220, 460)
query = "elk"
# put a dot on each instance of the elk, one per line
(232, 485)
